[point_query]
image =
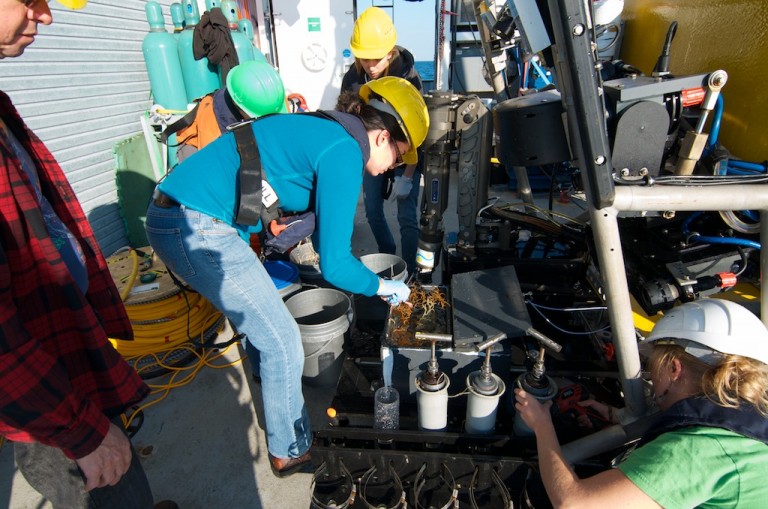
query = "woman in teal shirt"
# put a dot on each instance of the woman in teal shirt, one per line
(312, 164)
(709, 445)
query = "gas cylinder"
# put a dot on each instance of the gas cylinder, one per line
(243, 46)
(177, 17)
(200, 76)
(245, 27)
(161, 57)
(210, 4)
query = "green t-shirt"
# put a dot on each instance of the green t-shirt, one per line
(701, 467)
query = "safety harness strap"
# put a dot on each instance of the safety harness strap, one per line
(250, 179)
(256, 199)
(184, 122)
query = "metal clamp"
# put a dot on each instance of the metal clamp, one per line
(503, 491)
(321, 470)
(400, 504)
(448, 479)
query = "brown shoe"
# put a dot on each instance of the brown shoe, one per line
(283, 467)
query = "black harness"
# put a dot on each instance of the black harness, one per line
(250, 206)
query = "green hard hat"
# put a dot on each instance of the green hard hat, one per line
(256, 88)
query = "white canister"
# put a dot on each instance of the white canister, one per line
(432, 407)
(481, 408)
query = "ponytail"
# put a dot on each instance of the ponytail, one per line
(732, 381)
(351, 102)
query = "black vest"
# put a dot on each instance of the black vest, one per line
(699, 411)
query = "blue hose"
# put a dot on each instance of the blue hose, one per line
(745, 165)
(714, 131)
(723, 240)
(715, 240)
(738, 171)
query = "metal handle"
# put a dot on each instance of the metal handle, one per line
(434, 336)
(490, 341)
(543, 340)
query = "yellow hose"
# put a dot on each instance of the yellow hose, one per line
(162, 330)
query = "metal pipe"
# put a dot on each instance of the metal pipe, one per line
(523, 184)
(764, 265)
(698, 198)
(612, 437)
(691, 198)
(605, 229)
(606, 439)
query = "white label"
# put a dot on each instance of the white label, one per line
(151, 287)
(268, 195)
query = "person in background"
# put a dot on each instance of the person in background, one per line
(63, 386)
(709, 445)
(373, 43)
(308, 162)
(253, 89)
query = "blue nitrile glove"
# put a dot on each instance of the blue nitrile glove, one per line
(402, 187)
(393, 291)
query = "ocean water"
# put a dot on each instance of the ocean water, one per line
(426, 69)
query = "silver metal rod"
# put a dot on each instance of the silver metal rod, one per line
(543, 340)
(490, 341)
(606, 439)
(434, 336)
(605, 229)
(764, 266)
(523, 184)
(691, 198)
(610, 256)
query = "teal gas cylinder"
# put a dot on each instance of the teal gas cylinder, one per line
(245, 27)
(161, 57)
(200, 76)
(210, 4)
(243, 46)
(177, 17)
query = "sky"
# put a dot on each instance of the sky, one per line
(415, 24)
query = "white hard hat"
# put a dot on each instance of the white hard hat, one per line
(708, 327)
(606, 11)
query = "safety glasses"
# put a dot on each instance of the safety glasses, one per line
(398, 155)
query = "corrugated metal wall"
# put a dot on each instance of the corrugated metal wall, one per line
(82, 86)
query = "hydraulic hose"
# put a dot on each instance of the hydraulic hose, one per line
(717, 118)
(715, 240)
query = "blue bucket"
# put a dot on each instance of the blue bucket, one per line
(285, 276)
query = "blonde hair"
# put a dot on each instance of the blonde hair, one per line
(733, 380)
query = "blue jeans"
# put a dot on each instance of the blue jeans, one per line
(212, 258)
(406, 217)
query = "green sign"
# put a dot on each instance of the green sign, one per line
(313, 24)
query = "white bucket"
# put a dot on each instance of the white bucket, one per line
(387, 266)
(324, 316)
(481, 408)
(432, 407)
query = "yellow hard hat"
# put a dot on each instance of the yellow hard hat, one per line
(374, 34)
(73, 4)
(404, 102)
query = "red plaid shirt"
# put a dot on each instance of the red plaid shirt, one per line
(60, 379)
